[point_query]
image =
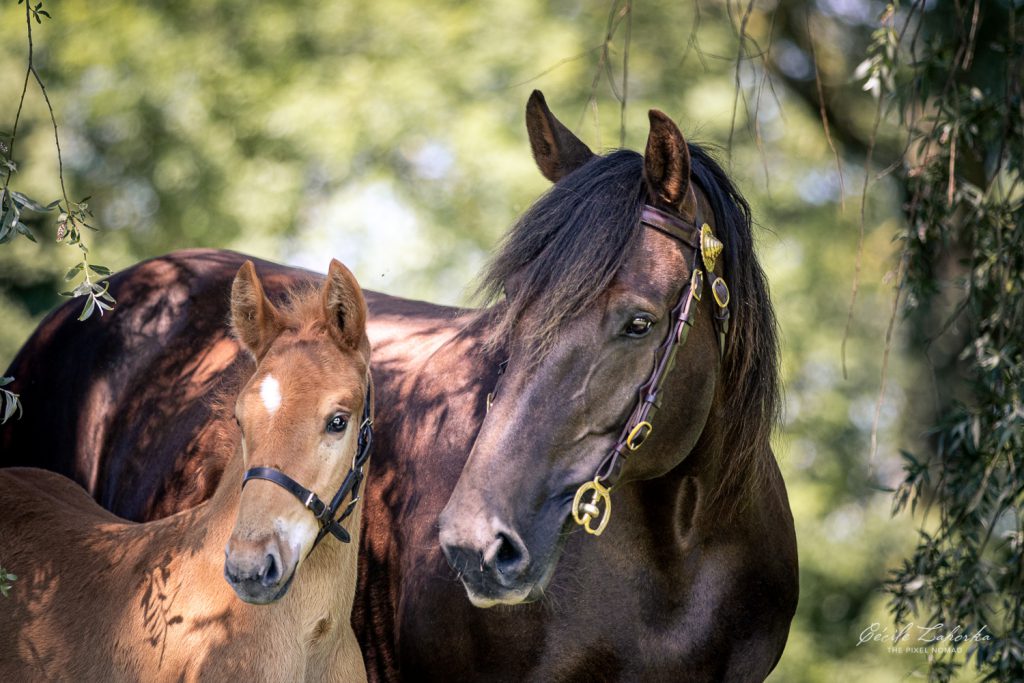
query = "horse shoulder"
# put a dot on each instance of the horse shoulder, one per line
(754, 574)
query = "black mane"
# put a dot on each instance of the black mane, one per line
(566, 249)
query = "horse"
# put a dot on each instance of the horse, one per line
(102, 599)
(498, 417)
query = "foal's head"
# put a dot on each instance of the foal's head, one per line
(588, 293)
(299, 413)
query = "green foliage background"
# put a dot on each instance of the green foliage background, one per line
(390, 134)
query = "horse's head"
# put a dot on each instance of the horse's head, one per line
(588, 301)
(299, 415)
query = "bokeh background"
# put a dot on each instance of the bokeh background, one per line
(390, 134)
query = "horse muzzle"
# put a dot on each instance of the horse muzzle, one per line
(493, 563)
(259, 572)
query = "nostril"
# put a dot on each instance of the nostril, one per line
(271, 572)
(508, 554)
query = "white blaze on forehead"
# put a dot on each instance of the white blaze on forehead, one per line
(270, 392)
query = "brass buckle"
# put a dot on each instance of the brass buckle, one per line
(641, 430)
(598, 508)
(697, 283)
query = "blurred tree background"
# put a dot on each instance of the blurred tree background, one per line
(390, 134)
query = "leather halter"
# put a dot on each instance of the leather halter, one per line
(592, 504)
(594, 513)
(324, 513)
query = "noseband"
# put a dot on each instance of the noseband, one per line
(325, 514)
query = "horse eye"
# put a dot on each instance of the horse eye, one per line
(337, 424)
(638, 326)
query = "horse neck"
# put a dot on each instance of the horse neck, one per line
(694, 498)
(225, 498)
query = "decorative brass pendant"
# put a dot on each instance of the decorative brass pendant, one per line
(710, 247)
(598, 508)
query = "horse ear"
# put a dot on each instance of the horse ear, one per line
(344, 306)
(555, 149)
(667, 165)
(253, 317)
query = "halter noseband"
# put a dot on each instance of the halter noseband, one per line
(325, 514)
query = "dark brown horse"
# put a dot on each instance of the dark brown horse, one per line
(695, 577)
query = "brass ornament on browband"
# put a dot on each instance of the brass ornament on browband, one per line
(710, 247)
(592, 504)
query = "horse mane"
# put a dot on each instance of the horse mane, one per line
(750, 367)
(566, 249)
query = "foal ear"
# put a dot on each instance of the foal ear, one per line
(555, 149)
(253, 317)
(667, 165)
(344, 306)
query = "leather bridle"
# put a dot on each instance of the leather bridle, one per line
(592, 504)
(324, 513)
(594, 513)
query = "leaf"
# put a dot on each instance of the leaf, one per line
(11, 404)
(99, 270)
(87, 309)
(73, 273)
(4, 381)
(23, 229)
(27, 202)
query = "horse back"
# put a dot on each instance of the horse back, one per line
(124, 404)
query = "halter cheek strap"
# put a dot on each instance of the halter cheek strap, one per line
(592, 505)
(323, 512)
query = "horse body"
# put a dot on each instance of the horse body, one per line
(98, 598)
(694, 579)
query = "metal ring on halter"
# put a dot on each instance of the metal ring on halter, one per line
(641, 431)
(697, 283)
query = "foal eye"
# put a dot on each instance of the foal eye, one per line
(638, 326)
(337, 424)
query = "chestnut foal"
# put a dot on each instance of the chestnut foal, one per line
(102, 599)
